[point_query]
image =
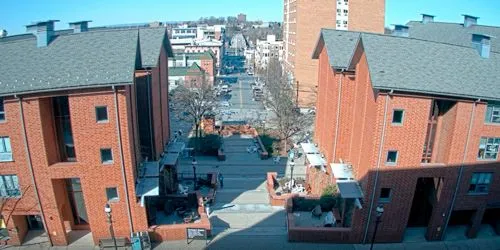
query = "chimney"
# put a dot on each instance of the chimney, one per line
(3, 33)
(482, 44)
(427, 18)
(44, 32)
(401, 30)
(80, 26)
(469, 20)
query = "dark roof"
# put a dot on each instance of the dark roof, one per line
(341, 45)
(77, 60)
(420, 66)
(453, 33)
(415, 65)
(193, 70)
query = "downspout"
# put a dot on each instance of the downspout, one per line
(122, 163)
(380, 150)
(30, 165)
(150, 114)
(460, 173)
(338, 116)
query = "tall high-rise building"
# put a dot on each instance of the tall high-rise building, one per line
(303, 20)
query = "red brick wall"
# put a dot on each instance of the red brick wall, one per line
(164, 96)
(367, 15)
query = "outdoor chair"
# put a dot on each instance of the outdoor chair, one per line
(316, 212)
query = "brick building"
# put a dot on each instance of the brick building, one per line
(303, 20)
(416, 123)
(205, 60)
(79, 112)
(190, 77)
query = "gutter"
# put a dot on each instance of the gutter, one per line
(460, 173)
(30, 165)
(375, 182)
(65, 89)
(122, 163)
(338, 116)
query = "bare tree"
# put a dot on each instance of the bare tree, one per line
(280, 99)
(196, 103)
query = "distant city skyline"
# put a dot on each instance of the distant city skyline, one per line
(17, 14)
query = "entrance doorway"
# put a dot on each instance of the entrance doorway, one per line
(77, 202)
(35, 222)
(492, 217)
(426, 194)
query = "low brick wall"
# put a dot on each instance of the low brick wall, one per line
(274, 199)
(178, 231)
(316, 234)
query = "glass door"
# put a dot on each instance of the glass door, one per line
(77, 202)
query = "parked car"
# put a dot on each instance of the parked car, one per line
(225, 104)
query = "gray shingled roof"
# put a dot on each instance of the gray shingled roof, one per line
(453, 33)
(341, 45)
(74, 60)
(417, 66)
(420, 66)
(94, 58)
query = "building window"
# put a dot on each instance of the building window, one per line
(493, 113)
(101, 114)
(112, 194)
(345, 22)
(488, 148)
(106, 156)
(2, 110)
(5, 149)
(63, 127)
(385, 195)
(392, 157)
(480, 183)
(9, 186)
(339, 22)
(397, 117)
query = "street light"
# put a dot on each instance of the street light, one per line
(107, 210)
(194, 162)
(380, 211)
(292, 164)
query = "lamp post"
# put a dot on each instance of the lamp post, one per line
(380, 212)
(107, 210)
(194, 162)
(292, 164)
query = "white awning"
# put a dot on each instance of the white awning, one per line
(309, 148)
(349, 189)
(342, 171)
(315, 160)
(147, 187)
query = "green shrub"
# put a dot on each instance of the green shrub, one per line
(208, 144)
(268, 142)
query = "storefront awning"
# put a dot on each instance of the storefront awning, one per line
(309, 148)
(175, 147)
(169, 159)
(349, 189)
(342, 171)
(315, 160)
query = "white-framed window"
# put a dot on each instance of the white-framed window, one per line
(392, 158)
(106, 156)
(112, 194)
(385, 195)
(480, 183)
(101, 114)
(488, 148)
(493, 113)
(9, 186)
(5, 149)
(2, 110)
(398, 117)
(339, 22)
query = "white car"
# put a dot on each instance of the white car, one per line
(225, 104)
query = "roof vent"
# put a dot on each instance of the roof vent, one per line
(44, 32)
(401, 30)
(482, 44)
(427, 18)
(80, 26)
(470, 20)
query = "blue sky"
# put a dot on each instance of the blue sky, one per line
(17, 13)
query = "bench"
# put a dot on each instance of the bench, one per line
(109, 243)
